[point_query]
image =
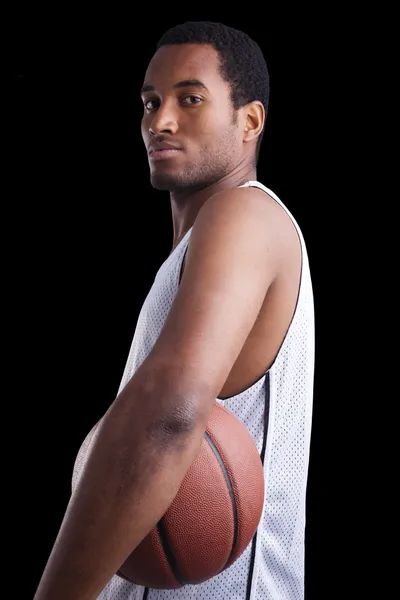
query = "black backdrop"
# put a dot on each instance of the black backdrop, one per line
(88, 233)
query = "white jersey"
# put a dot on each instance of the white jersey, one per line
(277, 411)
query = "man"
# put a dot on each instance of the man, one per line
(228, 318)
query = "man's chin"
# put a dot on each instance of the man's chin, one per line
(164, 182)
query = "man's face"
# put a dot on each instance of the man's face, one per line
(187, 104)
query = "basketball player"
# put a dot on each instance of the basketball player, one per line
(229, 317)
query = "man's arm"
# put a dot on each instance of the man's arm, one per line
(151, 434)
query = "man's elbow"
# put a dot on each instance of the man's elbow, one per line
(166, 405)
(177, 423)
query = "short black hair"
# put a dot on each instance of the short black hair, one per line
(243, 64)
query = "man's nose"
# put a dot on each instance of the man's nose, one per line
(164, 120)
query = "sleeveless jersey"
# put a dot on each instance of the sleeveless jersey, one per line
(277, 411)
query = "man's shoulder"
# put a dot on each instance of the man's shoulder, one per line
(251, 210)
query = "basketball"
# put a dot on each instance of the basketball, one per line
(213, 517)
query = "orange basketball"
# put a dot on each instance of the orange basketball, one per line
(214, 515)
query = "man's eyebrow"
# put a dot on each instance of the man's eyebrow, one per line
(147, 87)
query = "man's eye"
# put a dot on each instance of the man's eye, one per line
(148, 104)
(153, 103)
(191, 100)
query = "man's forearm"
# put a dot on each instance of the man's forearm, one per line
(132, 475)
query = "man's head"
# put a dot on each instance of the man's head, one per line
(206, 92)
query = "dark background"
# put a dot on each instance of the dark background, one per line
(86, 234)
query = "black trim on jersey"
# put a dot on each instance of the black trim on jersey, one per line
(284, 208)
(262, 455)
(145, 593)
(182, 264)
(266, 415)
